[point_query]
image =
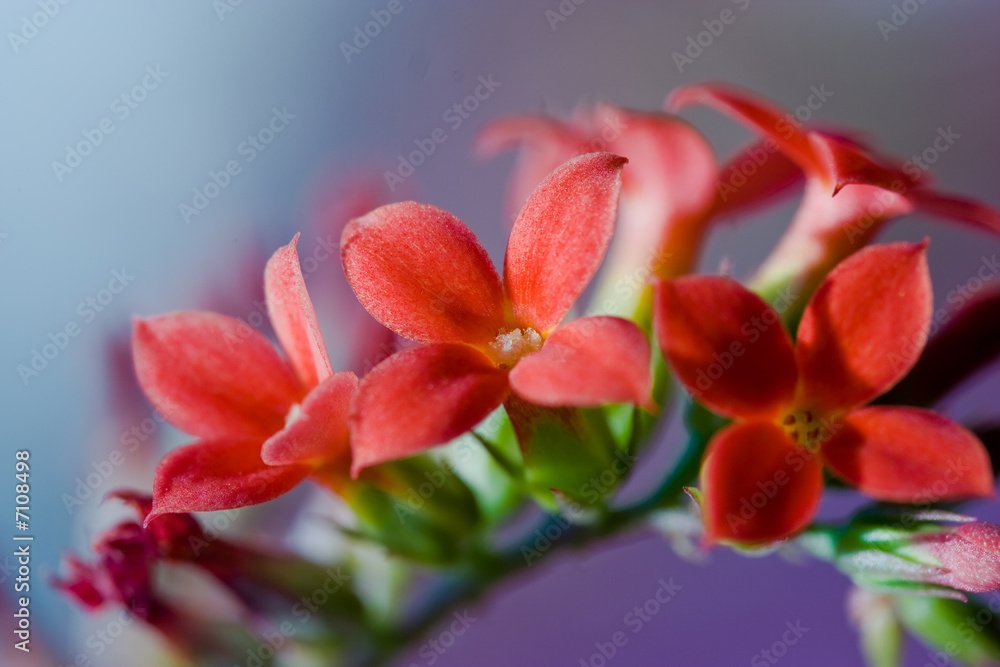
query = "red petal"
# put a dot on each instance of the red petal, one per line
(977, 214)
(864, 327)
(826, 229)
(667, 191)
(560, 238)
(758, 485)
(421, 272)
(908, 455)
(213, 376)
(84, 583)
(587, 362)
(320, 432)
(755, 175)
(218, 474)
(292, 315)
(421, 397)
(968, 342)
(546, 143)
(758, 115)
(726, 345)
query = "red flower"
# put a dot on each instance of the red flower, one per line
(799, 408)
(421, 272)
(868, 191)
(669, 193)
(264, 423)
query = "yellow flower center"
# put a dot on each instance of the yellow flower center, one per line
(804, 427)
(508, 347)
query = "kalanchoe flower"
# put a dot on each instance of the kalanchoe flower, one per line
(850, 192)
(970, 556)
(264, 423)
(422, 273)
(800, 408)
(124, 574)
(669, 193)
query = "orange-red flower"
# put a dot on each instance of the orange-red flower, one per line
(670, 192)
(421, 272)
(263, 423)
(850, 192)
(799, 408)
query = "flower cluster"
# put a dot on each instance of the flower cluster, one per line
(783, 373)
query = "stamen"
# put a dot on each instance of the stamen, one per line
(802, 427)
(508, 347)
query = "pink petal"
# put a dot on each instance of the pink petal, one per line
(421, 272)
(908, 455)
(752, 177)
(758, 486)
(826, 229)
(321, 431)
(421, 397)
(545, 144)
(560, 238)
(666, 193)
(975, 213)
(758, 115)
(971, 556)
(865, 326)
(587, 362)
(213, 376)
(727, 346)
(214, 475)
(291, 312)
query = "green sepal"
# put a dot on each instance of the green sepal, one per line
(968, 632)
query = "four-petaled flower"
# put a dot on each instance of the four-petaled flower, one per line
(671, 192)
(421, 272)
(798, 408)
(263, 423)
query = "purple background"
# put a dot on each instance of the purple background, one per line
(120, 208)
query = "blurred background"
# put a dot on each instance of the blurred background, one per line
(118, 118)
